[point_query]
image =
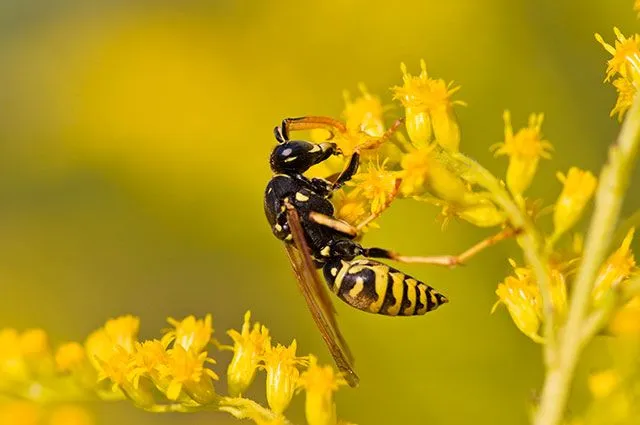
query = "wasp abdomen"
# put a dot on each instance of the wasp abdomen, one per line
(378, 288)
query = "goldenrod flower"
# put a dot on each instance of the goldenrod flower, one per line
(281, 363)
(117, 335)
(521, 296)
(190, 333)
(184, 369)
(601, 384)
(615, 270)
(525, 148)
(70, 357)
(12, 363)
(429, 109)
(320, 383)
(364, 113)
(147, 360)
(415, 171)
(375, 185)
(626, 92)
(248, 348)
(577, 191)
(559, 293)
(350, 207)
(625, 52)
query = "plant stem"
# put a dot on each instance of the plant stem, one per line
(529, 240)
(614, 180)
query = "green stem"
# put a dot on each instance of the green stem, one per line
(529, 240)
(614, 180)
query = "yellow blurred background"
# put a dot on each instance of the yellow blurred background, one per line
(134, 143)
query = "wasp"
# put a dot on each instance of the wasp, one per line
(300, 213)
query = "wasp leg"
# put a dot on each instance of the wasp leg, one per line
(333, 223)
(444, 260)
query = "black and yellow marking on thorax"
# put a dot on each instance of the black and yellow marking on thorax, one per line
(377, 288)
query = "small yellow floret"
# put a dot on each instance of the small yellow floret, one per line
(626, 93)
(190, 333)
(429, 109)
(615, 270)
(524, 148)
(281, 363)
(376, 185)
(249, 346)
(578, 189)
(522, 298)
(625, 52)
(320, 383)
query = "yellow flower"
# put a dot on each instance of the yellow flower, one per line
(248, 348)
(625, 52)
(429, 109)
(364, 113)
(70, 356)
(349, 207)
(525, 148)
(147, 360)
(117, 335)
(12, 364)
(186, 372)
(281, 362)
(320, 383)
(375, 185)
(626, 92)
(415, 171)
(603, 383)
(189, 333)
(521, 296)
(577, 191)
(559, 294)
(615, 270)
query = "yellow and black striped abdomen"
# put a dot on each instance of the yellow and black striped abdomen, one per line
(377, 288)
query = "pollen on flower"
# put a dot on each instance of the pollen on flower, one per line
(615, 270)
(376, 184)
(625, 52)
(190, 333)
(521, 296)
(249, 346)
(524, 148)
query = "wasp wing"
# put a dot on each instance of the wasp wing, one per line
(317, 297)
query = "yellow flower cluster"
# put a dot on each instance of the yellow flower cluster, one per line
(396, 167)
(624, 66)
(166, 374)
